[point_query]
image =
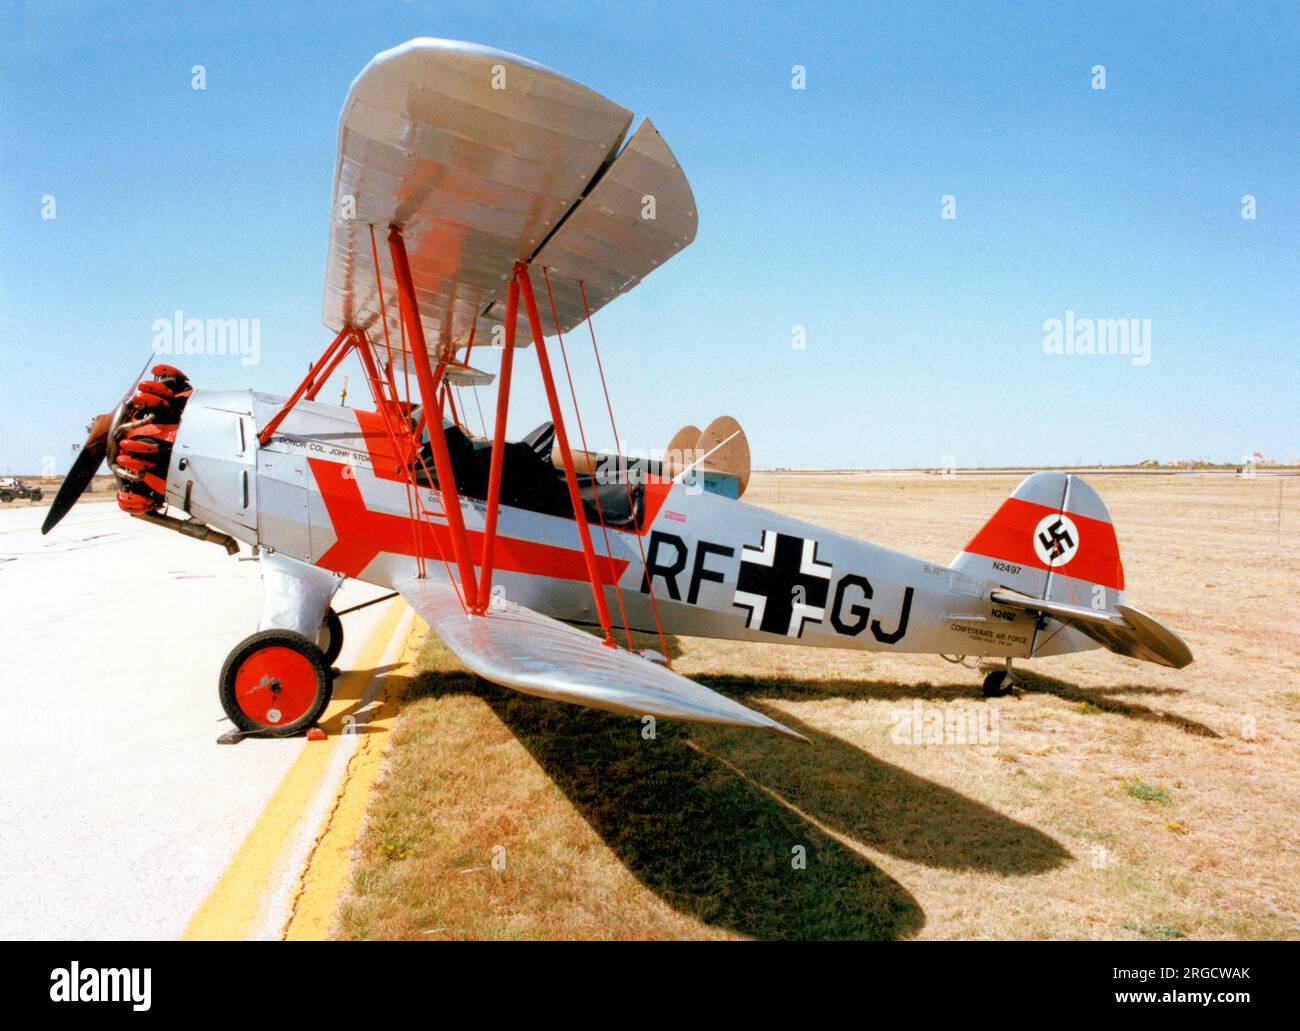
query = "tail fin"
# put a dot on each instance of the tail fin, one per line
(1053, 545)
(1052, 539)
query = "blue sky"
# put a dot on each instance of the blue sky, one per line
(819, 208)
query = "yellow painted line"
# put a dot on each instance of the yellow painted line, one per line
(233, 907)
(326, 875)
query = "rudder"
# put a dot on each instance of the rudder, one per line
(1052, 538)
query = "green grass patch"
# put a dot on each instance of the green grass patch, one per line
(1145, 792)
(394, 851)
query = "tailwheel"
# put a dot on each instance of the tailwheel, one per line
(331, 636)
(276, 683)
(998, 683)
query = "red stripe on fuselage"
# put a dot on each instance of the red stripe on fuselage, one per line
(1009, 537)
(362, 534)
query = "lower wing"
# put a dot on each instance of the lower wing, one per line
(522, 649)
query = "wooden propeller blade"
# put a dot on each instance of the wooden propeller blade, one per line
(727, 448)
(82, 472)
(678, 453)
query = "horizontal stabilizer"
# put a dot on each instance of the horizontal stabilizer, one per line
(1125, 631)
(529, 652)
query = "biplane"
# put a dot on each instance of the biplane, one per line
(483, 206)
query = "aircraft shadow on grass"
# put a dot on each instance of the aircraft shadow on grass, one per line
(710, 818)
(1110, 699)
(1105, 699)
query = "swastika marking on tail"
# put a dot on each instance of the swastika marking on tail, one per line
(1056, 539)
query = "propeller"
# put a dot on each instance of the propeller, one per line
(88, 461)
(82, 471)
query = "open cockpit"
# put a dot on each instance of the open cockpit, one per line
(531, 478)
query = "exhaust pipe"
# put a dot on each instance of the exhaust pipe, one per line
(191, 528)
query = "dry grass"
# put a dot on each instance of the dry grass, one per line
(1120, 800)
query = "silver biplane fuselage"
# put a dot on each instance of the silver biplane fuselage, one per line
(719, 568)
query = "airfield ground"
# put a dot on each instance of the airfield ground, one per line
(123, 818)
(1116, 799)
(1113, 800)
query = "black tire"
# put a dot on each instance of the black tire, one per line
(997, 684)
(36, 494)
(307, 693)
(331, 633)
(6, 496)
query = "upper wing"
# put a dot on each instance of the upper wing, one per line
(485, 159)
(519, 648)
(637, 215)
(1126, 631)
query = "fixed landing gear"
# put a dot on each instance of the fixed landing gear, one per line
(276, 683)
(331, 636)
(999, 683)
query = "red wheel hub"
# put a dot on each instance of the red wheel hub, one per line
(275, 686)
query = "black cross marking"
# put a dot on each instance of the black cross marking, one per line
(778, 583)
(1053, 544)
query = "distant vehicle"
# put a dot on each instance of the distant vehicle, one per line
(11, 488)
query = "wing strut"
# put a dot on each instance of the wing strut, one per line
(326, 363)
(403, 437)
(499, 440)
(627, 483)
(582, 437)
(428, 382)
(566, 456)
(475, 594)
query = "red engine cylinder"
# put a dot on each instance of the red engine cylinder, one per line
(141, 446)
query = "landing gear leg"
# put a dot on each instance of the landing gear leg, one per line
(998, 684)
(278, 682)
